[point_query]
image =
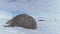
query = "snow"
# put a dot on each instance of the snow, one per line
(49, 26)
(48, 9)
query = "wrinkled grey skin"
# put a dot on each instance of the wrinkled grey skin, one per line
(22, 20)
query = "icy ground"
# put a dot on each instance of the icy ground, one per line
(49, 26)
(48, 9)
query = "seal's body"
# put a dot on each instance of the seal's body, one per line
(23, 20)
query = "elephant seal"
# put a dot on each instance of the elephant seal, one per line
(22, 20)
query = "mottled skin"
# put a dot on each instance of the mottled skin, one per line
(22, 20)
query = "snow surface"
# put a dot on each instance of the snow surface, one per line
(49, 26)
(48, 9)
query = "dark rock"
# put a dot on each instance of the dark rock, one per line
(22, 20)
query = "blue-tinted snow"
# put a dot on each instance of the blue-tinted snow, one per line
(48, 9)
